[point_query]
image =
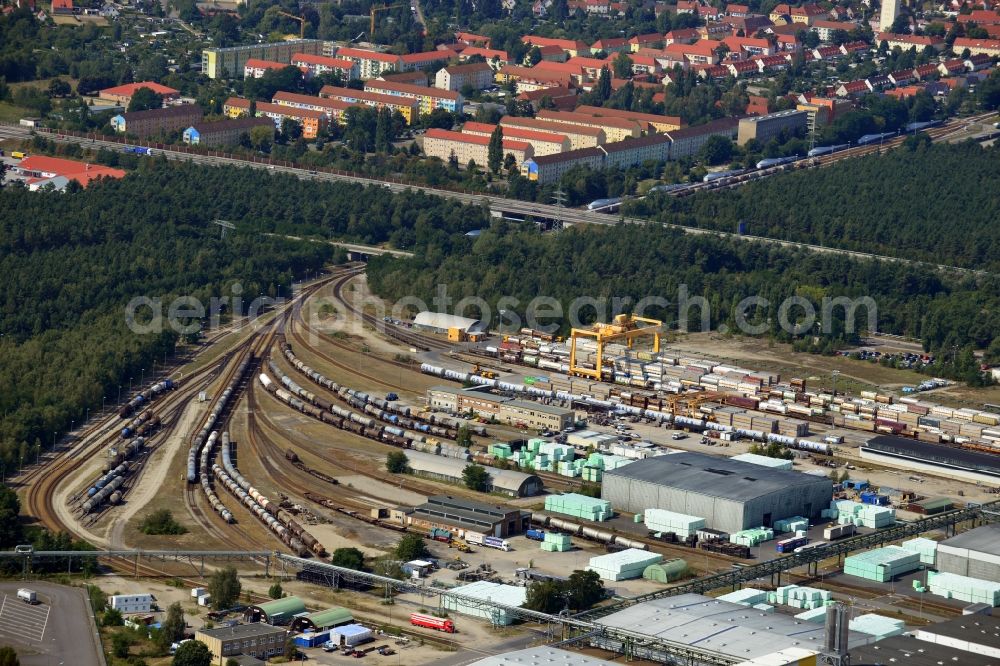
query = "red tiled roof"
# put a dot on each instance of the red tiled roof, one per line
(514, 132)
(429, 56)
(363, 54)
(130, 89)
(310, 59)
(291, 111)
(257, 63)
(238, 102)
(449, 135)
(409, 88)
(81, 172)
(296, 98)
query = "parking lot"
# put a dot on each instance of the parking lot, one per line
(57, 631)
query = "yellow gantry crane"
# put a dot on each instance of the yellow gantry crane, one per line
(384, 8)
(302, 23)
(624, 327)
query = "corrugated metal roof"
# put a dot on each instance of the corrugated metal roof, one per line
(732, 629)
(716, 477)
(982, 539)
(509, 595)
(502, 479)
(445, 321)
(541, 655)
(330, 617)
(286, 607)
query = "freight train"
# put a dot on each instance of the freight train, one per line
(205, 473)
(698, 425)
(145, 397)
(199, 439)
(587, 532)
(360, 424)
(142, 425)
(278, 520)
(387, 410)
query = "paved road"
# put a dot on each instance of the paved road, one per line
(495, 203)
(56, 632)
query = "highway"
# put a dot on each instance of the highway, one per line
(497, 204)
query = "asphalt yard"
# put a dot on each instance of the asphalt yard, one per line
(56, 631)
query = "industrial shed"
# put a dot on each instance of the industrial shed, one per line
(975, 553)
(956, 463)
(509, 482)
(279, 611)
(443, 322)
(484, 590)
(324, 619)
(730, 495)
(542, 654)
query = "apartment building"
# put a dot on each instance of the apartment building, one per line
(333, 108)
(579, 136)
(409, 108)
(228, 62)
(315, 65)
(615, 129)
(765, 128)
(542, 143)
(371, 64)
(476, 75)
(428, 98)
(312, 121)
(657, 122)
(445, 144)
(222, 132)
(157, 122)
(255, 68)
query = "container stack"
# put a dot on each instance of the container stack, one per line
(752, 537)
(882, 564)
(963, 588)
(580, 506)
(926, 548)
(660, 520)
(846, 512)
(793, 524)
(877, 626)
(748, 596)
(556, 543)
(623, 565)
(806, 598)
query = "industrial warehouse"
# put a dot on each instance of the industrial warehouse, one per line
(730, 495)
(505, 481)
(519, 413)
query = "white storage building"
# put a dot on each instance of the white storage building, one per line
(738, 631)
(623, 565)
(730, 495)
(542, 654)
(764, 461)
(508, 595)
(442, 321)
(975, 553)
(132, 603)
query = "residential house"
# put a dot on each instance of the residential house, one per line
(657, 122)
(563, 99)
(426, 60)
(495, 58)
(570, 46)
(235, 107)
(650, 41)
(826, 29)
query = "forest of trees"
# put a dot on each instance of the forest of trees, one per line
(73, 261)
(637, 262)
(937, 204)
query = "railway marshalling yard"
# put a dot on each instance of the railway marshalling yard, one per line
(324, 329)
